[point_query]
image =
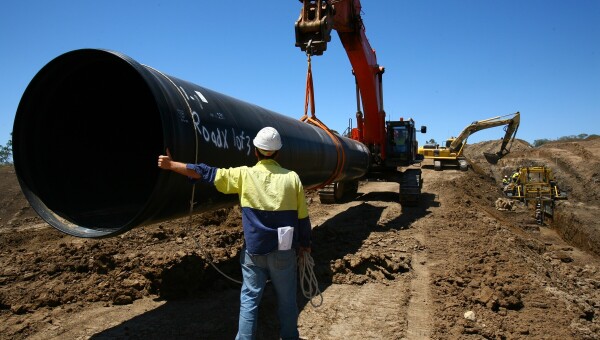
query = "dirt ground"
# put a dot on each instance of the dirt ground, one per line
(454, 267)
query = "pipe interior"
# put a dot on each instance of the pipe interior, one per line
(88, 136)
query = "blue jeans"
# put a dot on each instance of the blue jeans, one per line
(281, 268)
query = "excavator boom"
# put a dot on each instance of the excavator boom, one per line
(313, 32)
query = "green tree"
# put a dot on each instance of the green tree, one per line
(6, 152)
(539, 142)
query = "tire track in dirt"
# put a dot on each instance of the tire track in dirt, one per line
(419, 318)
(370, 311)
(420, 308)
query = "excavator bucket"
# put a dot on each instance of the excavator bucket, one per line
(493, 158)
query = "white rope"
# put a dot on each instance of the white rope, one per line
(308, 280)
(209, 259)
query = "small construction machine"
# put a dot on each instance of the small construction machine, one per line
(392, 144)
(533, 182)
(452, 153)
(535, 185)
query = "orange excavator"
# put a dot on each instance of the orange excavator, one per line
(392, 144)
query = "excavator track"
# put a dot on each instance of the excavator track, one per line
(327, 194)
(337, 192)
(411, 183)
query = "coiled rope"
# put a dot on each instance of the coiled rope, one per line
(308, 280)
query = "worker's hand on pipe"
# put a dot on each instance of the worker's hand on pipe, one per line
(165, 162)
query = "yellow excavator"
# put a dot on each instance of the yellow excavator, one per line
(452, 153)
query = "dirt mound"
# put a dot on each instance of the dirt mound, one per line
(465, 263)
(576, 167)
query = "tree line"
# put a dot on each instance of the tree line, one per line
(581, 136)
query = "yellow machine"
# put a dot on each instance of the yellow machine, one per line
(536, 184)
(452, 153)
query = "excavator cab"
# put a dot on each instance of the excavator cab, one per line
(402, 146)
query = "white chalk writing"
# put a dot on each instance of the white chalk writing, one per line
(201, 96)
(219, 137)
(241, 141)
(182, 116)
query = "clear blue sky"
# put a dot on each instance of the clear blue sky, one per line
(447, 63)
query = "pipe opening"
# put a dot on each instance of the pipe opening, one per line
(85, 125)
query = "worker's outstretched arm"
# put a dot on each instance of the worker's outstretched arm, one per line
(200, 171)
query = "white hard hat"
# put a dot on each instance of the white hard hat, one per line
(267, 139)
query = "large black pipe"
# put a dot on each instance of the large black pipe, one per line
(91, 124)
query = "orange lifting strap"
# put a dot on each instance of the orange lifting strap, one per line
(310, 99)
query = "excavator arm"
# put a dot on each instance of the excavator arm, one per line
(313, 32)
(512, 124)
(510, 133)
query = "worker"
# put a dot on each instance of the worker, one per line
(505, 180)
(276, 228)
(399, 140)
(515, 176)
